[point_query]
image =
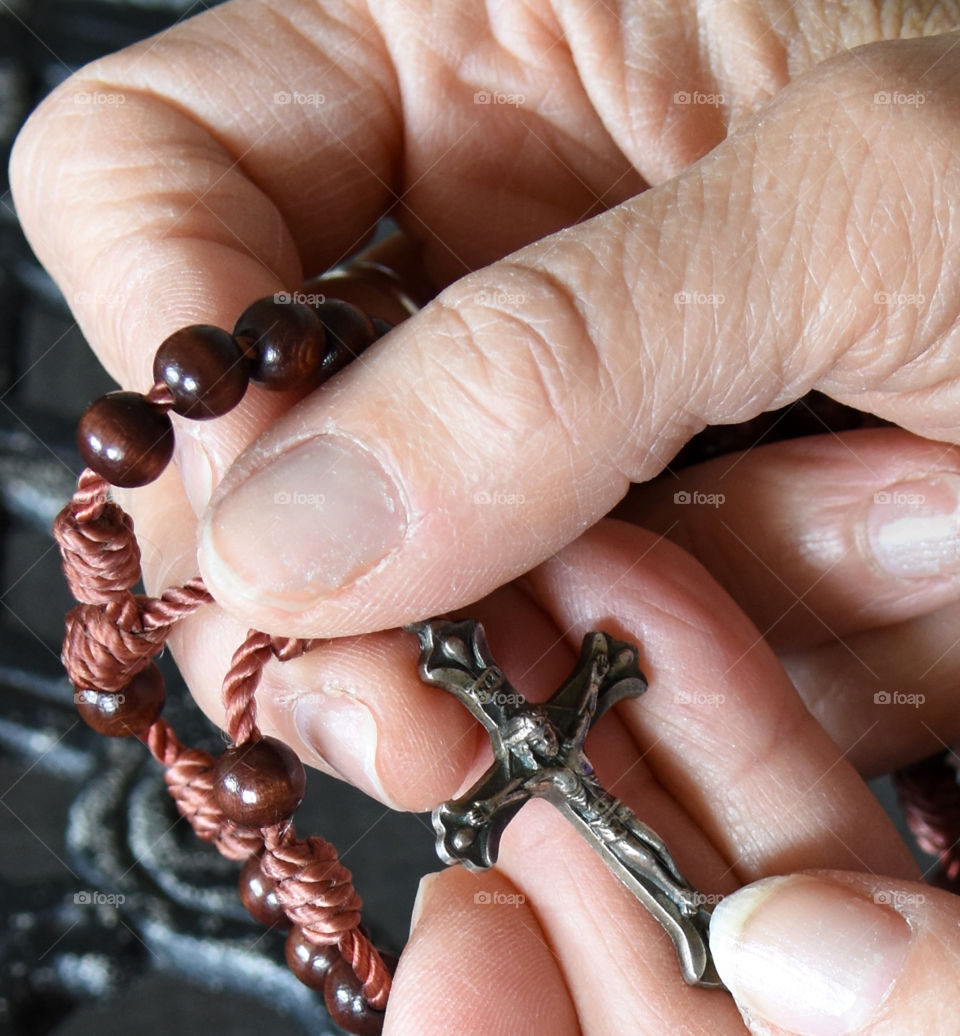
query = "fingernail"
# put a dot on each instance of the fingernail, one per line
(312, 520)
(422, 890)
(807, 955)
(343, 733)
(913, 528)
(196, 471)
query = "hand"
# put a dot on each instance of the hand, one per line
(559, 454)
(742, 783)
(541, 386)
(202, 191)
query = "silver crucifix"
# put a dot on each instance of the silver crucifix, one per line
(538, 751)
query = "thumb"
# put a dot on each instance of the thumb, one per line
(512, 413)
(830, 953)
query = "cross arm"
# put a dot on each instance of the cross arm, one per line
(455, 656)
(469, 828)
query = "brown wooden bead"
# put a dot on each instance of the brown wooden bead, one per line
(126, 712)
(368, 289)
(125, 438)
(348, 330)
(345, 1001)
(285, 343)
(259, 894)
(205, 370)
(260, 783)
(310, 963)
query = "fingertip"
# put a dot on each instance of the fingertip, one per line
(507, 953)
(808, 955)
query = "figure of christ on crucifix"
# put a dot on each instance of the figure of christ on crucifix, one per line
(538, 751)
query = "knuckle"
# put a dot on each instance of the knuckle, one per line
(533, 364)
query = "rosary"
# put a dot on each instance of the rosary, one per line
(243, 802)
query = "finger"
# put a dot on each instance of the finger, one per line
(556, 917)
(616, 957)
(723, 729)
(473, 937)
(833, 953)
(353, 707)
(820, 537)
(535, 402)
(601, 937)
(845, 552)
(190, 181)
(888, 697)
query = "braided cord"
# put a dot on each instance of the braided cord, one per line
(113, 634)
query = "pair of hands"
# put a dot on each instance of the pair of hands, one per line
(797, 232)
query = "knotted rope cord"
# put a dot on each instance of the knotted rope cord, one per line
(113, 634)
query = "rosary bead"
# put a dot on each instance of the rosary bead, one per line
(348, 331)
(285, 342)
(127, 712)
(205, 370)
(259, 784)
(345, 1000)
(125, 439)
(259, 894)
(381, 326)
(308, 962)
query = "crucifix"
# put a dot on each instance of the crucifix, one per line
(538, 751)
